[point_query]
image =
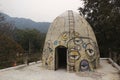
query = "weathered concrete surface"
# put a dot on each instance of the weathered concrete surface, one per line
(72, 32)
(36, 72)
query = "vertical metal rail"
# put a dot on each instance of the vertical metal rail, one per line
(71, 29)
(71, 24)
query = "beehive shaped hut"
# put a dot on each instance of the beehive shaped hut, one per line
(71, 44)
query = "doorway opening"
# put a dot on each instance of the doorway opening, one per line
(60, 57)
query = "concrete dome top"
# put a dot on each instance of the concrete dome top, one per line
(69, 24)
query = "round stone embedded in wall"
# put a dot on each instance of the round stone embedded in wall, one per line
(84, 45)
(55, 42)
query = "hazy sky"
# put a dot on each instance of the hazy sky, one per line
(38, 10)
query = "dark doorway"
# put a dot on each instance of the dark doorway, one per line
(61, 57)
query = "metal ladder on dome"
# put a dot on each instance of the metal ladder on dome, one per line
(71, 32)
(71, 24)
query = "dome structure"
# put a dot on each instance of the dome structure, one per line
(71, 44)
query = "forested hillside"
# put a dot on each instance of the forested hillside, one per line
(23, 23)
(20, 43)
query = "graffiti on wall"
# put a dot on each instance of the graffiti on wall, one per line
(84, 65)
(82, 49)
(48, 53)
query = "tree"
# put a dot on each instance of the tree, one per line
(15, 42)
(8, 47)
(32, 42)
(104, 17)
(29, 39)
(8, 51)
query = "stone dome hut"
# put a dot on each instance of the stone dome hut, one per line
(71, 44)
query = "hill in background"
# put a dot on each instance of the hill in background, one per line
(23, 23)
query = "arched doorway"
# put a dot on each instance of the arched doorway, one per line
(60, 57)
